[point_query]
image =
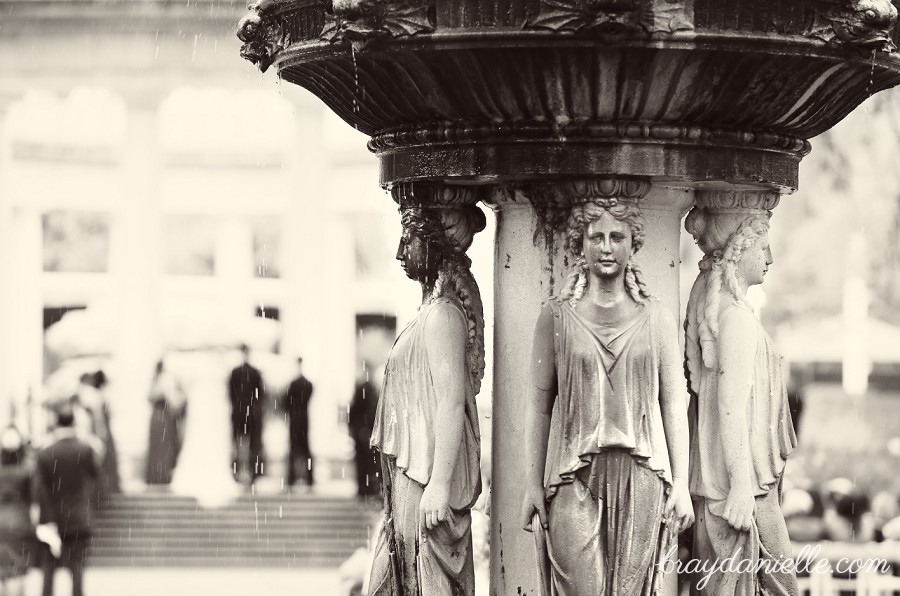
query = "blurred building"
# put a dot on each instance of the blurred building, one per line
(155, 179)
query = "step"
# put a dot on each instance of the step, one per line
(221, 562)
(218, 529)
(246, 549)
(216, 540)
(231, 515)
(161, 530)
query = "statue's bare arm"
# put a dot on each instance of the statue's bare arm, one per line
(674, 414)
(542, 390)
(445, 345)
(737, 354)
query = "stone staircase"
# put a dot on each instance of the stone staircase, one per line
(157, 530)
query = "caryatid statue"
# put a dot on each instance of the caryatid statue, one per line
(606, 369)
(741, 431)
(512, 96)
(426, 427)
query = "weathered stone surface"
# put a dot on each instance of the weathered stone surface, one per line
(474, 90)
(521, 97)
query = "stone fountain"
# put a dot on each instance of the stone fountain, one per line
(528, 105)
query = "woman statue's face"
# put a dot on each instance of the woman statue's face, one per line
(607, 246)
(413, 256)
(755, 261)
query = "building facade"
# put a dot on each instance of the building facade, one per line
(153, 180)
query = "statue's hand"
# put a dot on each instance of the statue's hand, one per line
(435, 505)
(679, 506)
(532, 503)
(739, 508)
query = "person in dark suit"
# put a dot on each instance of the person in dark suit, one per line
(247, 393)
(297, 402)
(361, 419)
(66, 471)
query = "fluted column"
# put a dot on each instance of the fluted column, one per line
(529, 268)
(135, 262)
(21, 291)
(6, 250)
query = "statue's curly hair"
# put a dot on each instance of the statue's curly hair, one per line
(448, 233)
(580, 216)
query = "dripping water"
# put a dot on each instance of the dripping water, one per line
(355, 83)
(871, 83)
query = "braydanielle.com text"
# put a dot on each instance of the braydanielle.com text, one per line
(806, 563)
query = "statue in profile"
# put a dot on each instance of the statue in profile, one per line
(426, 426)
(606, 423)
(741, 431)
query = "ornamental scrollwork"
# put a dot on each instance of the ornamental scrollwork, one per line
(613, 17)
(366, 20)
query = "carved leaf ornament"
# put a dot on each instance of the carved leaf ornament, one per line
(612, 17)
(364, 20)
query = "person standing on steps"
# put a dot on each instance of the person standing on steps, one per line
(297, 403)
(247, 394)
(67, 469)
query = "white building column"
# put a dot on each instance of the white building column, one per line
(856, 363)
(135, 263)
(23, 329)
(6, 286)
(318, 312)
(234, 266)
(21, 292)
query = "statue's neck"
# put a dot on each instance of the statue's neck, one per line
(428, 290)
(606, 292)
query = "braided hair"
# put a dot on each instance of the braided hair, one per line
(448, 233)
(724, 237)
(580, 217)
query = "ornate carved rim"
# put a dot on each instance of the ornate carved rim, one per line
(586, 132)
(516, 161)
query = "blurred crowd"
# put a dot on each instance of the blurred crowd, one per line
(49, 489)
(839, 511)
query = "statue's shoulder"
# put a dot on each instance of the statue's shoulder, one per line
(554, 305)
(446, 304)
(658, 312)
(444, 311)
(738, 320)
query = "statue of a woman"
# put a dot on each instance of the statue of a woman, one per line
(606, 356)
(741, 432)
(426, 427)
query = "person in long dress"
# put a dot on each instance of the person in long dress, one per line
(204, 470)
(606, 356)
(741, 432)
(167, 403)
(426, 425)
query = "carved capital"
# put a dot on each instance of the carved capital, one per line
(864, 24)
(614, 17)
(424, 195)
(606, 190)
(365, 20)
(553, 201)
(748, 202)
